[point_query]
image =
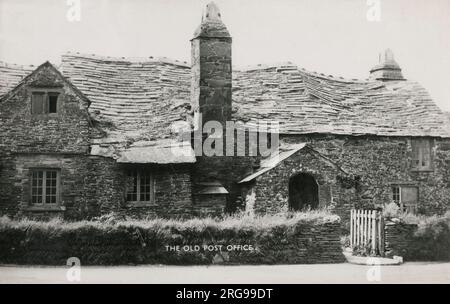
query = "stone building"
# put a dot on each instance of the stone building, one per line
(100, 134)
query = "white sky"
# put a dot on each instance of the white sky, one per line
(327, 36)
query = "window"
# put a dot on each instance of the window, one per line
(141, 187)
(406, 197)
(44, 102)
(52, 102)
(44, 187)
(396, 194)
(421, 154)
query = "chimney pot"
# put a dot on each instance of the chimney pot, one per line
(212, 25)
(387, 68)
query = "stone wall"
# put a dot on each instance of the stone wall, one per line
(146, 243)
(90, 185)
(350, 171)
(74, 172)
(355, 172)
(228, 171)
(43, 140)
(379, 162)
(272, 187)
(173, 194)
(399, 239)
(67, 131)
(419, 238)
(210, 204)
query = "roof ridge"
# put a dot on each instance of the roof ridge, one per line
(34, 71)
(248, 68)
(289, 64)
(264, 66)
(128, 59)
(335, 78)
(17, 66)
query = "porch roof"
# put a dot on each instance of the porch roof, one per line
(212, 188)
(272, 162)
(161, 152)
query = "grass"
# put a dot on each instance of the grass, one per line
(236, 222)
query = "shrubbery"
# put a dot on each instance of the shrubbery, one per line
(391, 210)
(431, 239)
(285, 238)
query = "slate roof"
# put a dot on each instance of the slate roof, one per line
(270, 163)
(305, 102)
(150, 94)
(141, 99)
(133, 99)
(448, 115)
(158, 152)
(11, 75)
(286, 150)
(214, 187)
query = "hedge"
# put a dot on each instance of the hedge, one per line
(419, 238)
(310, 237)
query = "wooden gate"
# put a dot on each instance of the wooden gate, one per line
(367, 230)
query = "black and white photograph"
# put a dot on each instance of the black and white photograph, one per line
(224, 142)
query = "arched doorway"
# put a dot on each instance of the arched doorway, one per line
(303, 192)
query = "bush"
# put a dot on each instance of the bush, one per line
(363, 250)
(430, 239)
(110, 240)
(391, 210)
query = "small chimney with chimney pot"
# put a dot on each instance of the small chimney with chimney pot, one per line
(387, 68)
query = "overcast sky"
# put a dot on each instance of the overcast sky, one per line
(327, 36)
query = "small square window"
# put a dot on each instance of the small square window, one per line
(44, 103)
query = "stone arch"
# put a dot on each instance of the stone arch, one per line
(303, 192)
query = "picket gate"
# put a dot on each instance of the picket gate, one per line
(367, 230)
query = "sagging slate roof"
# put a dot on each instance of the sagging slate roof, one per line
(158, 152)
(141, 99)
(147, 96)
(132, 99)
(305, 102)
(11, 75)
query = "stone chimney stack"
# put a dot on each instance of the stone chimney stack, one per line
(387, 68)
(211, 68)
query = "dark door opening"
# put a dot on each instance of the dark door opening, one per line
(303, 192)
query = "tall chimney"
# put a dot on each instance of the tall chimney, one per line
(387, 68)
(211, 68)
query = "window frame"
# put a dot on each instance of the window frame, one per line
(421, 145)
(44, 187)
(130, 184)
(53, 94)
(408, 207)
(46, 101)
